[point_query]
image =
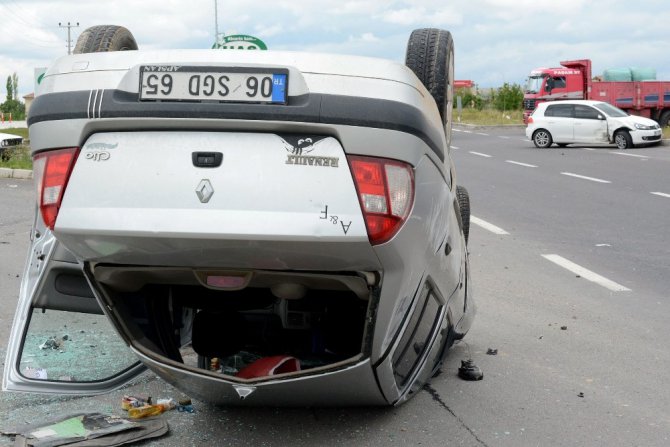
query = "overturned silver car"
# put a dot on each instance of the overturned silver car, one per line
(259, 228)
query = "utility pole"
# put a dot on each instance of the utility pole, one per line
(69, 40)
(216, 22)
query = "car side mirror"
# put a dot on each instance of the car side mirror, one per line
(600, 117)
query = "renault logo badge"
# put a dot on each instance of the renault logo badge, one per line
(204, 190)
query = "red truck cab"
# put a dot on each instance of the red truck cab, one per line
(572, 81)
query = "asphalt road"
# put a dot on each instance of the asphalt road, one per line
(579, 362)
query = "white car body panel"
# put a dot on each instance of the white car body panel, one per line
(572, 130)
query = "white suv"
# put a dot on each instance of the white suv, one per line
(589, 122)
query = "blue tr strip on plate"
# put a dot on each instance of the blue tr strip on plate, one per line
(278, 88)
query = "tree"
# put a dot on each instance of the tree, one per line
(508, 97)
(12, 104)
(472, 100)
(10, 94)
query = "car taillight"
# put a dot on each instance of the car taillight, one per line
(52, 171)
(530, 119)
(386, 192)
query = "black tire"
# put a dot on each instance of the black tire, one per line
(430, 55)
(542, 139)
(104, 38)
(623, 140)
(463, 198)
(665, 119)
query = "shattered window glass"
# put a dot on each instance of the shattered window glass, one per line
(73, 347)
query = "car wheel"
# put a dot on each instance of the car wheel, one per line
(430, 55)
(464, 206)
(665, 119)
(542, 138)
(623, 140)
(104, 38)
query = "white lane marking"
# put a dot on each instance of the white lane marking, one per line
(480, 154)
(662, 194)
(570, 174)
(482, 134)
(586, 274)
(455, 147)
(520, 164)
(629, 155)
(603, 245)
(487, 226)
(467, 131)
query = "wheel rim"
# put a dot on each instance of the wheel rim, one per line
(621, 141)
(541, 139)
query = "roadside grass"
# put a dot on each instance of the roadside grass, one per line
(20, 131)
(17, 158)
(489, 117)
(666, 132)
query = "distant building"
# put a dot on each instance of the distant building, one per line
(28, 100)
(466, 83)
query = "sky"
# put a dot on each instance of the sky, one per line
(496, 41)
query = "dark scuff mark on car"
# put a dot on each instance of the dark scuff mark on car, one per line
(438, 399)
(375, 294)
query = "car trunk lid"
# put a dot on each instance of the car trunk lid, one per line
(162, 198)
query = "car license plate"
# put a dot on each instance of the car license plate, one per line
(234, 84)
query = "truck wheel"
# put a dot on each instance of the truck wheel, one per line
(430, 55)
(463, 198)
(104, 38)
(542, 138)
(623, 140)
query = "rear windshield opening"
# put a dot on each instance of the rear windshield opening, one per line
(232, 332)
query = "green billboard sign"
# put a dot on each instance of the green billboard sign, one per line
(240, 42)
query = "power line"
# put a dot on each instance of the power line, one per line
(30, 27)
(15, 14)
(69, 40)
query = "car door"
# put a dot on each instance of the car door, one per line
(560, 122)
(589, 125)
(61, 342)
